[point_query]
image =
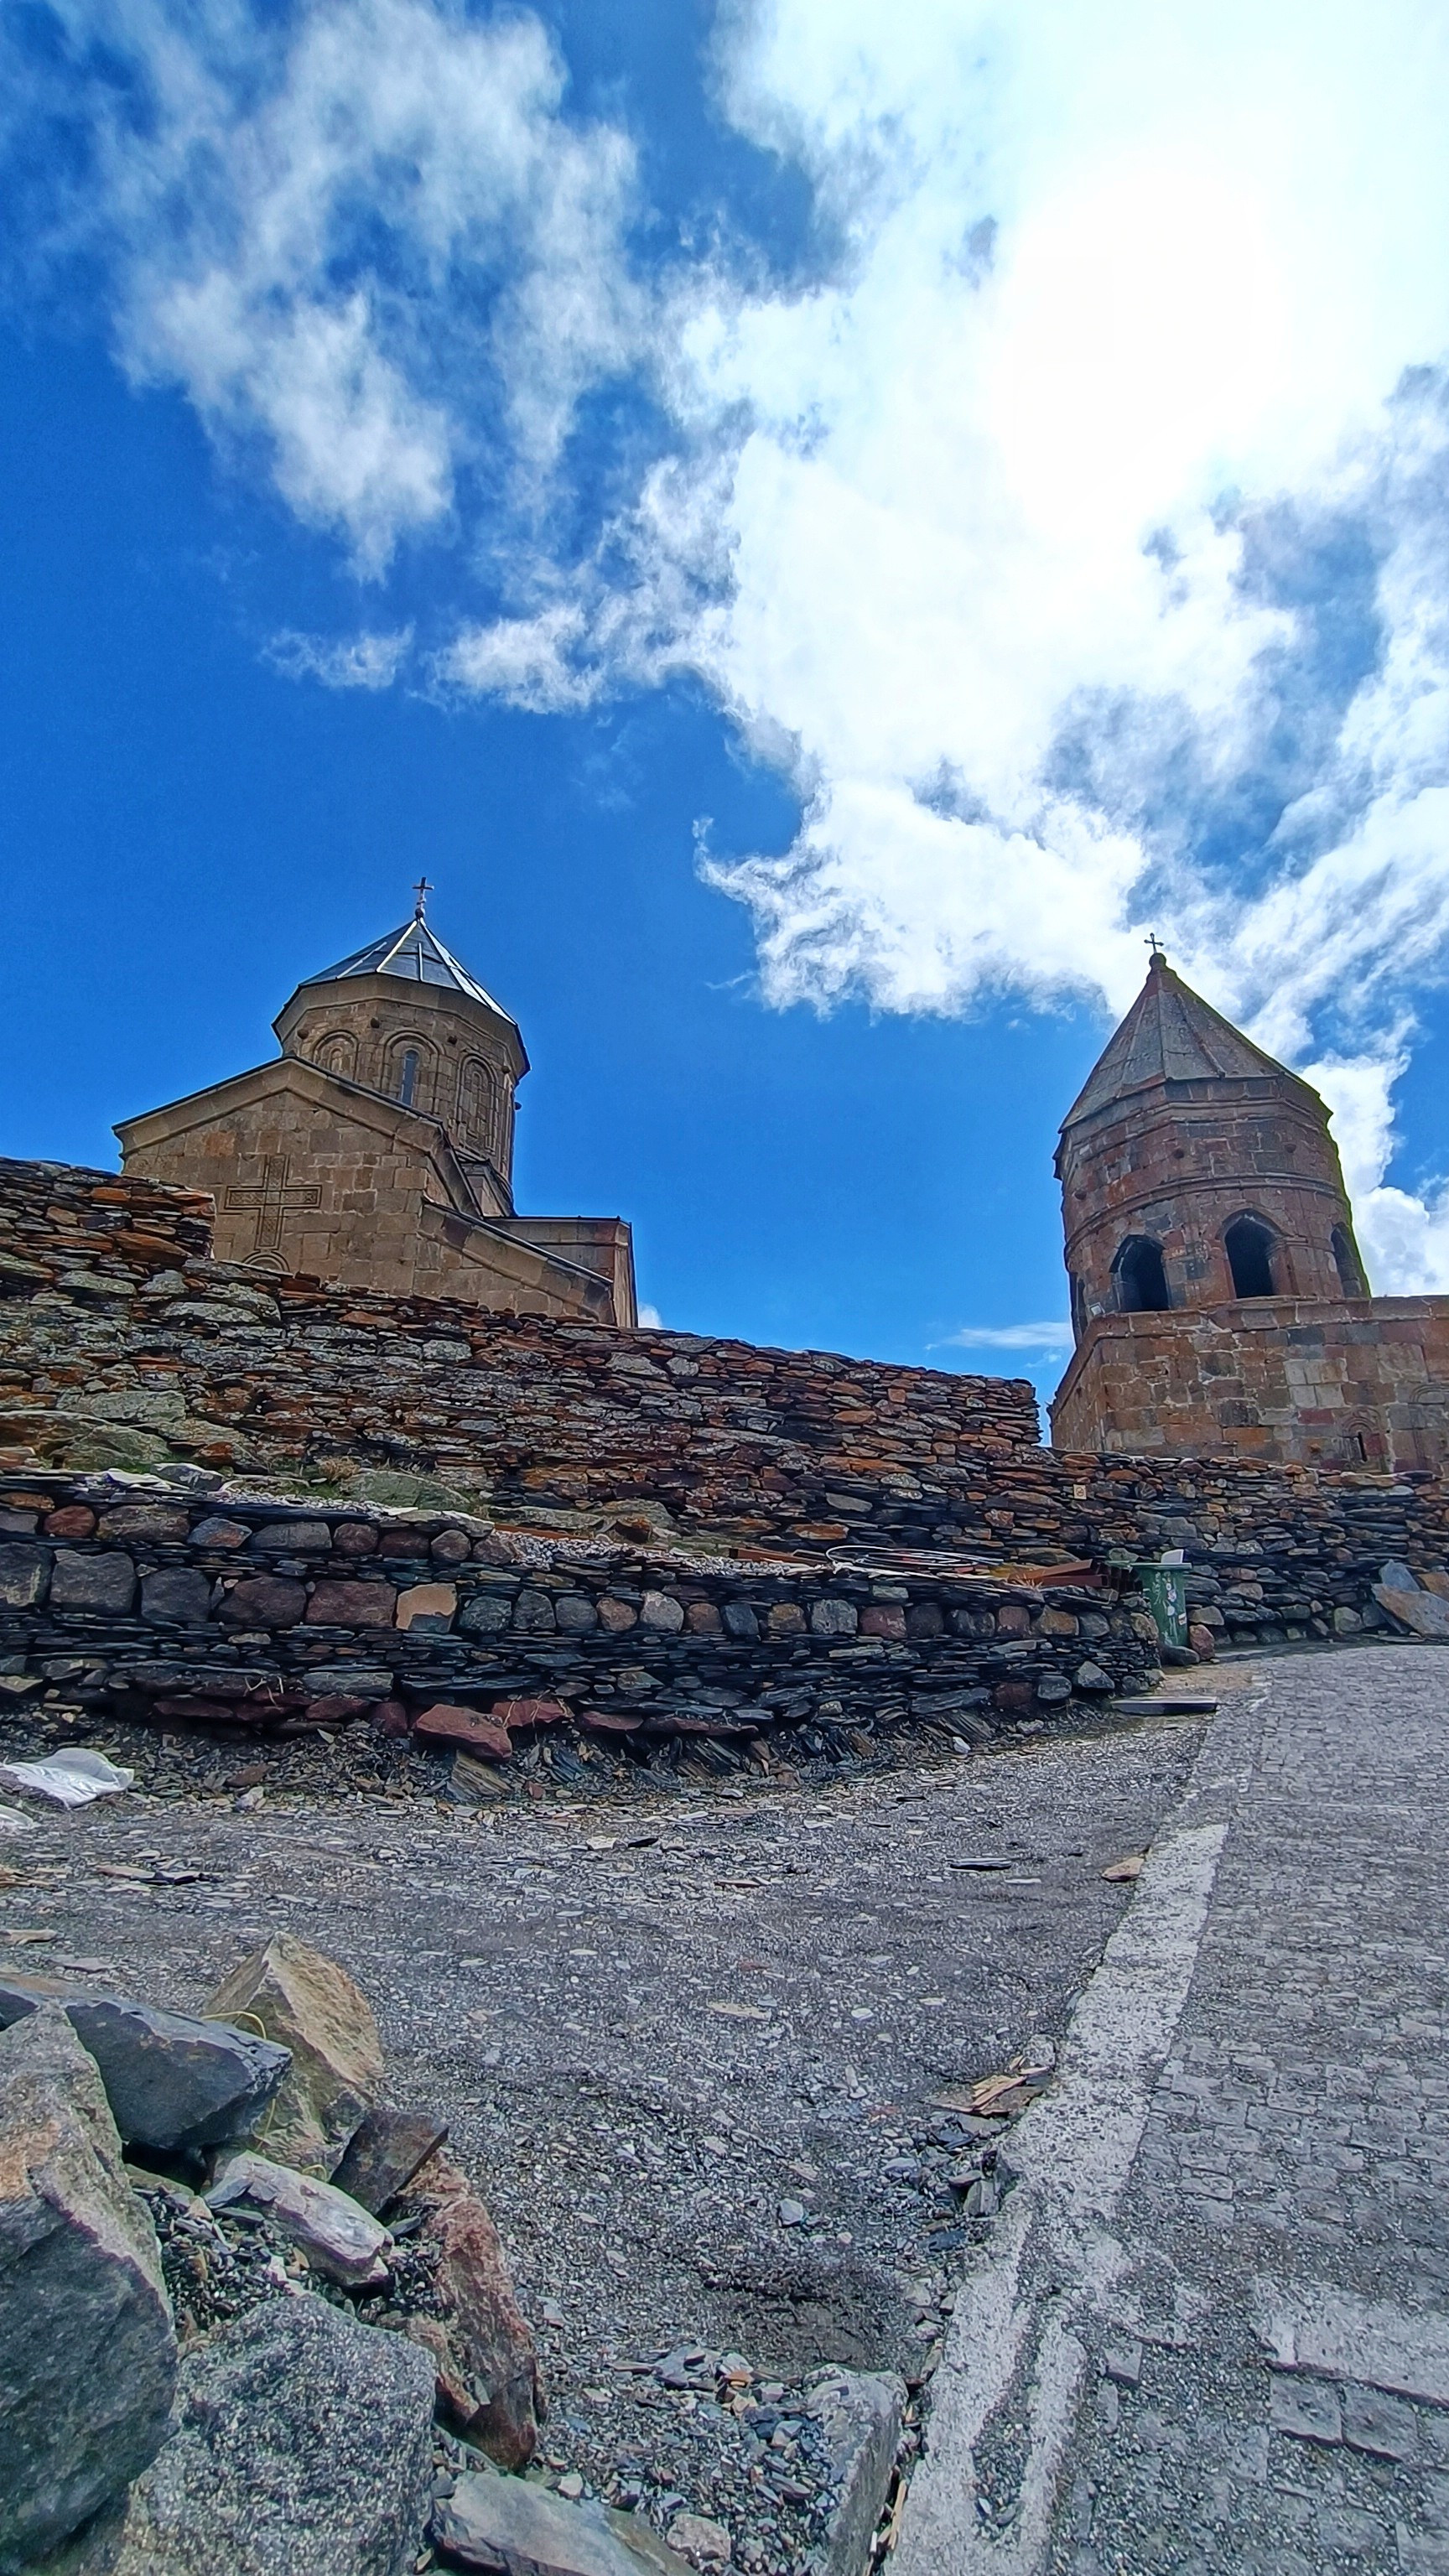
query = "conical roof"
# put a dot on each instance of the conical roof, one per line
(1171, 1035)
(417, 955)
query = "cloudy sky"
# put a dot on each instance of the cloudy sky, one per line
(816, 524)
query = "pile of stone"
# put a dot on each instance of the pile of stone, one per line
(293, 2424)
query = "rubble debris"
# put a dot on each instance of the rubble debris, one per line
(174, 2085)
(701, 2542)
(1422, 1610)
(513, 2528)
(488, 2337)
(300, 2440)
(87, 2345)
(308, 2004)
(1119, 1871)
(337, 2236)
(385, 2154)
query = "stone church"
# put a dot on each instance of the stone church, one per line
(377, 1148)
(1218, 1300)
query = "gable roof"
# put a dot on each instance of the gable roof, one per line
(417, 955)
(1172, 1035)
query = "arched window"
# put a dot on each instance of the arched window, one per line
(478, 1107)
(337, 1053)
(1347, 1263)
(1248, 1244)
(1139, 1277)
(408, 1072)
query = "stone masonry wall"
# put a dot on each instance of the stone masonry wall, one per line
(121, 1344)
(1346, 1382)
(206, 1607)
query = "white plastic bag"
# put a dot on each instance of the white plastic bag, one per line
(71, 1778)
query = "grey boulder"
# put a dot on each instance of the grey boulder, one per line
(87, 2344)
(172, 2083)
(512, 2528)
(301, 2445)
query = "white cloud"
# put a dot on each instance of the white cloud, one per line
(362, 238)
(651, 1321)
(363, 661)
(1011, 1337)
(1009, 537)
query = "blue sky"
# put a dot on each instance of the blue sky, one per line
(813, 529)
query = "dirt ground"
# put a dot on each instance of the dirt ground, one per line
(687, 2044)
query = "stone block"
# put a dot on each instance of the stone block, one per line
(73, 1520)
(157, 1524)
(87, 2345)
(533, 1612)
(178, 1593)
(860, 2413)
(489, 2338)
(294, 1538)
(354, 1538)
(340, 2239)
(102, 1583)
(341, 1604)
(217, 1531)
(306, 2003)
(24, 1574)
(740, 1622)
(883, 1619)
(486, 1614)
(785, 1619)
(575, 1613)
(428, 1607)
(385, 2154)
(833, 1618)
(511, 2524)
(702, 1619)
(264, 1601)
(661, 1612)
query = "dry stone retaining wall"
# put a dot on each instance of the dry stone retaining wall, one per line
(220, 1609)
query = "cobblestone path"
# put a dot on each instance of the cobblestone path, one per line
(1256, 2340)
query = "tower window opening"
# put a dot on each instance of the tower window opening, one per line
(408, 1079)
(1347, 1263)
(1249, 1247)
(1140, 1277)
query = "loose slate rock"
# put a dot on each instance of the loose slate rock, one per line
(87, 2345)
(386, 2153)
(307, 2004)
(172, 2083)
(338, 2237)
(514, 2529)
(444, 1724)
(301, 2445)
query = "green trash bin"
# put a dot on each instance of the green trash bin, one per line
(1165, 1590)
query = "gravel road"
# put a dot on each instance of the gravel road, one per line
(688, 2045)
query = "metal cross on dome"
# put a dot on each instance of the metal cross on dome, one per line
(422, 890)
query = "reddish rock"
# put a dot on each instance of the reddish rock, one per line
(354, 1538)
(528, 1712)
(1203, 1643)
(489, 2345)
(444, 1724)
(336, 1708)
(883, 1619)
(340, 1604)
(73, 1520)
(1013, 1619)
(1016, 1697)
(389, 1717)
(608, 1721)
(264, 1601)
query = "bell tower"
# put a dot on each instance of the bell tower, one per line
(1197, 1172)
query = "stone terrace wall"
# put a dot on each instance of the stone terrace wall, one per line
(121, 1344)
(224, 1610)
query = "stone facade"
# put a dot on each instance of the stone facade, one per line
(1218, 1299)
(377, 1150)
